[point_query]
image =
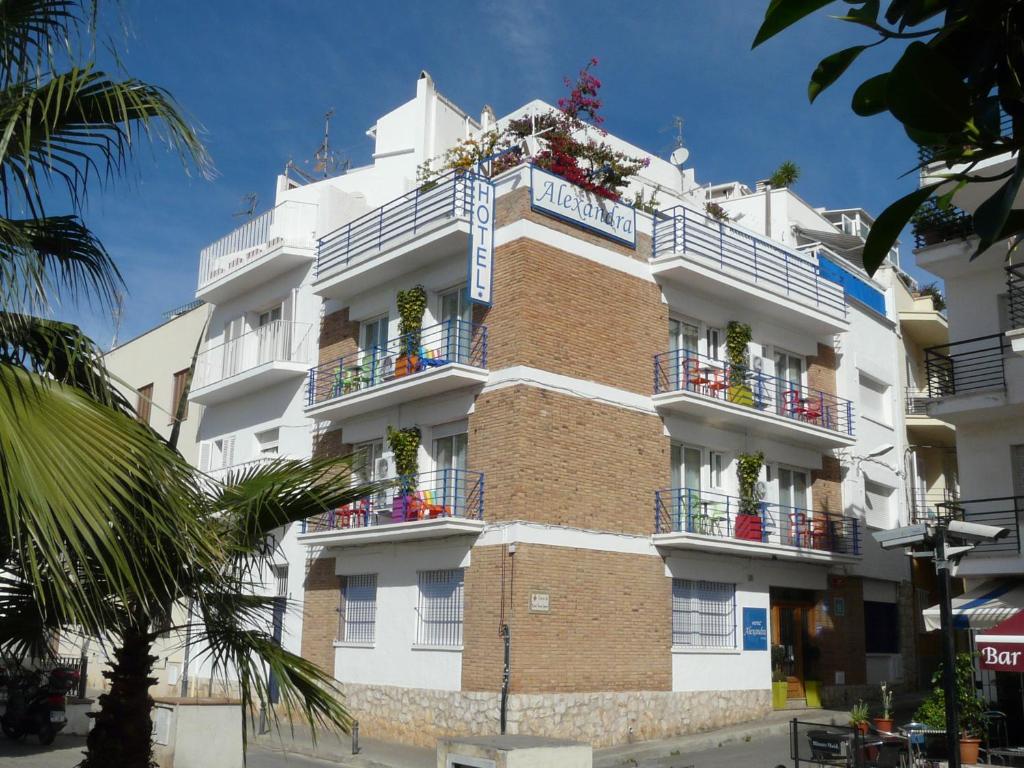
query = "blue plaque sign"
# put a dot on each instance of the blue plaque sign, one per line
(755, 629)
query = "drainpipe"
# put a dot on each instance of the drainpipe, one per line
(505, 677)
(188, 647)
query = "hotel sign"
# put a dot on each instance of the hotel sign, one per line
(755, 629)
(481, 240)
(557, 197)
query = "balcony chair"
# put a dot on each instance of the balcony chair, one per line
(417, 505)
(695, 378)
(718, 382)
(432, 358)
(799, 530)
(355, 379)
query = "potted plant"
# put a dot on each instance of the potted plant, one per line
(405, 445)
(748, 520)
(737, 338)
(972, 718)
(885, 722)
(859, 716)
(412, 303)
(785, 175)
(780, 686)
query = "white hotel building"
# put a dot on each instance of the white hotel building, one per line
(594, 401)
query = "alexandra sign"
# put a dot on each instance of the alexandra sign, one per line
(557, 197)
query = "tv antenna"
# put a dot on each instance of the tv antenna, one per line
(249, 200)
(326, 161)
(680, 153)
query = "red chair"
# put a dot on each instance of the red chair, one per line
(695, 377)
(791, 405)
(719, 381)
(799, 529)
(811, 410)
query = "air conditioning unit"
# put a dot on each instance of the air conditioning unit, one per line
(756, 363)
(380, 469)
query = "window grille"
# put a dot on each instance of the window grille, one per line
(281, 580)
(440, 608)
(703, 614)
(358, 612)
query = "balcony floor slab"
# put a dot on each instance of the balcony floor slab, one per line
(741, 417)
(246, 382)
(414, 530)
(743, 548)
(271, 263)
(434, 381)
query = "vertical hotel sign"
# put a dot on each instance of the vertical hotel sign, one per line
(481, 240)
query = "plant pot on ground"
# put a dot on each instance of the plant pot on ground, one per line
(859, 716)
(972, 709)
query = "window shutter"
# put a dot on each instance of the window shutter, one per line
(204, 456)
(227, 451)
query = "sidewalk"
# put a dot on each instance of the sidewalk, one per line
(337, 748)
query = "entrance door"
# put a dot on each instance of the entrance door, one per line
(271, 344)
(457, 324)
(232, 356)
(684, 340)
(686, 484)
(789, 372)
(450, 483)
(790, 630)
(371, 368)
(792, 508)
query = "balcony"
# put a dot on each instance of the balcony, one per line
(448, 356)
(222, 474)
(1015, 292)
(1004, 512)
(966, 376)
(259, 250)
(409, 232)
(738, 266)
(447, 502)
(271, 354)
(687, 518)
(750, 401)
(933, 225)
(922, 427)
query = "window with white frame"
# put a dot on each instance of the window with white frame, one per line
(440, 609)
(267, 442)
(217, 454)
(874, 399)
(716, 460)
(703, 614)
(878, 504)
(357, 617)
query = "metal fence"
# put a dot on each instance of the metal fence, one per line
(966, 366)
(819, 745)
(733, 251)
(1015, 290)
(916, 401)
(278, 341)
(426, 496)
(453, 341)
(706, 513)
(933, 224)
(683, 370)
(1002, 512)
(447, 199)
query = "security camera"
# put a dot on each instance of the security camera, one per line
(976, 531)
(906, 536)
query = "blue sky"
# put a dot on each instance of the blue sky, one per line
(259, 75)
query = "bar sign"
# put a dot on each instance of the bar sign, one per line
(481, 241)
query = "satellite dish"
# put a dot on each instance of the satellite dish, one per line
(679, 156)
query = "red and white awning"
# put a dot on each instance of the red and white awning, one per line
(1002, 647)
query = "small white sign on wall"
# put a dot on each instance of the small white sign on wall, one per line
(562, 199)
(540, 602)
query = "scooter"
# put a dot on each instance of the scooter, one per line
(37, 707)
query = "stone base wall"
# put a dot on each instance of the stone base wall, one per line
(420, 716)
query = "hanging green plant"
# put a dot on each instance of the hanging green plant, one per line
(412, 303)
(737, 339)
(748, 471)
(405, 445)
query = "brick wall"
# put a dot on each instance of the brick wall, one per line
(339, 336)
(821, 370)
(564, 460)
(608, 627)
(841, 638)
(320, 612)
(516, 205)
(566, 314)
(827, 486)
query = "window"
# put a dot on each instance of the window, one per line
(269, 316)
(881, 627)
(375, 334)
(440, 608)
(718, 465)
(267, 442)
(145, 404)
(703, 614)
(217, 454)
(716, 340)
(877, 504)
(358, 612)
(370, 466)
(178, 389)
(874, 399)
(280, 580)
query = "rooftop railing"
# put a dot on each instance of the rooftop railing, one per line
(966, 366)
(453, 341)
(1002, 512)
(684, 371)
(1015, 289)
(735, 252)
(916, 401)
(937, 225)
(446, 199)
(278, 341)
(705, 513)
(289, 221)
(926, 506)
(427, 496)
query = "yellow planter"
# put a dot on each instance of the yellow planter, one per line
(812, 691)
(780, 694)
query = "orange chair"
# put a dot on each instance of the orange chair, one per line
(719, 381)
(695, 377)
(799, 530)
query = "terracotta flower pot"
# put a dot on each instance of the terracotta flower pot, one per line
(883, 725)
(406, 365)
(969, 751)
(862, 728)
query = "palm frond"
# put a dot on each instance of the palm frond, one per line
(30, 30)
(80, 123)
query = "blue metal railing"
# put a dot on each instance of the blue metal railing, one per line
(426, 496)
(706, 513)
(453, 341)
(733, 251)
(683, 370)
(448, 198)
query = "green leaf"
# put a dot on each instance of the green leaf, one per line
(896, 10)
(926, 92)
(830, 68)
(784, 13)
(869, 98)
(991, 216)
(918, 11)
(866, 15)
(890, 223)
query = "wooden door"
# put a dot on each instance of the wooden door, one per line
(789, 629)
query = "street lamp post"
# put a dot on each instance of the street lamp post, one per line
(942, 570)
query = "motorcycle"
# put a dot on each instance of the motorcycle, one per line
(37, 703)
